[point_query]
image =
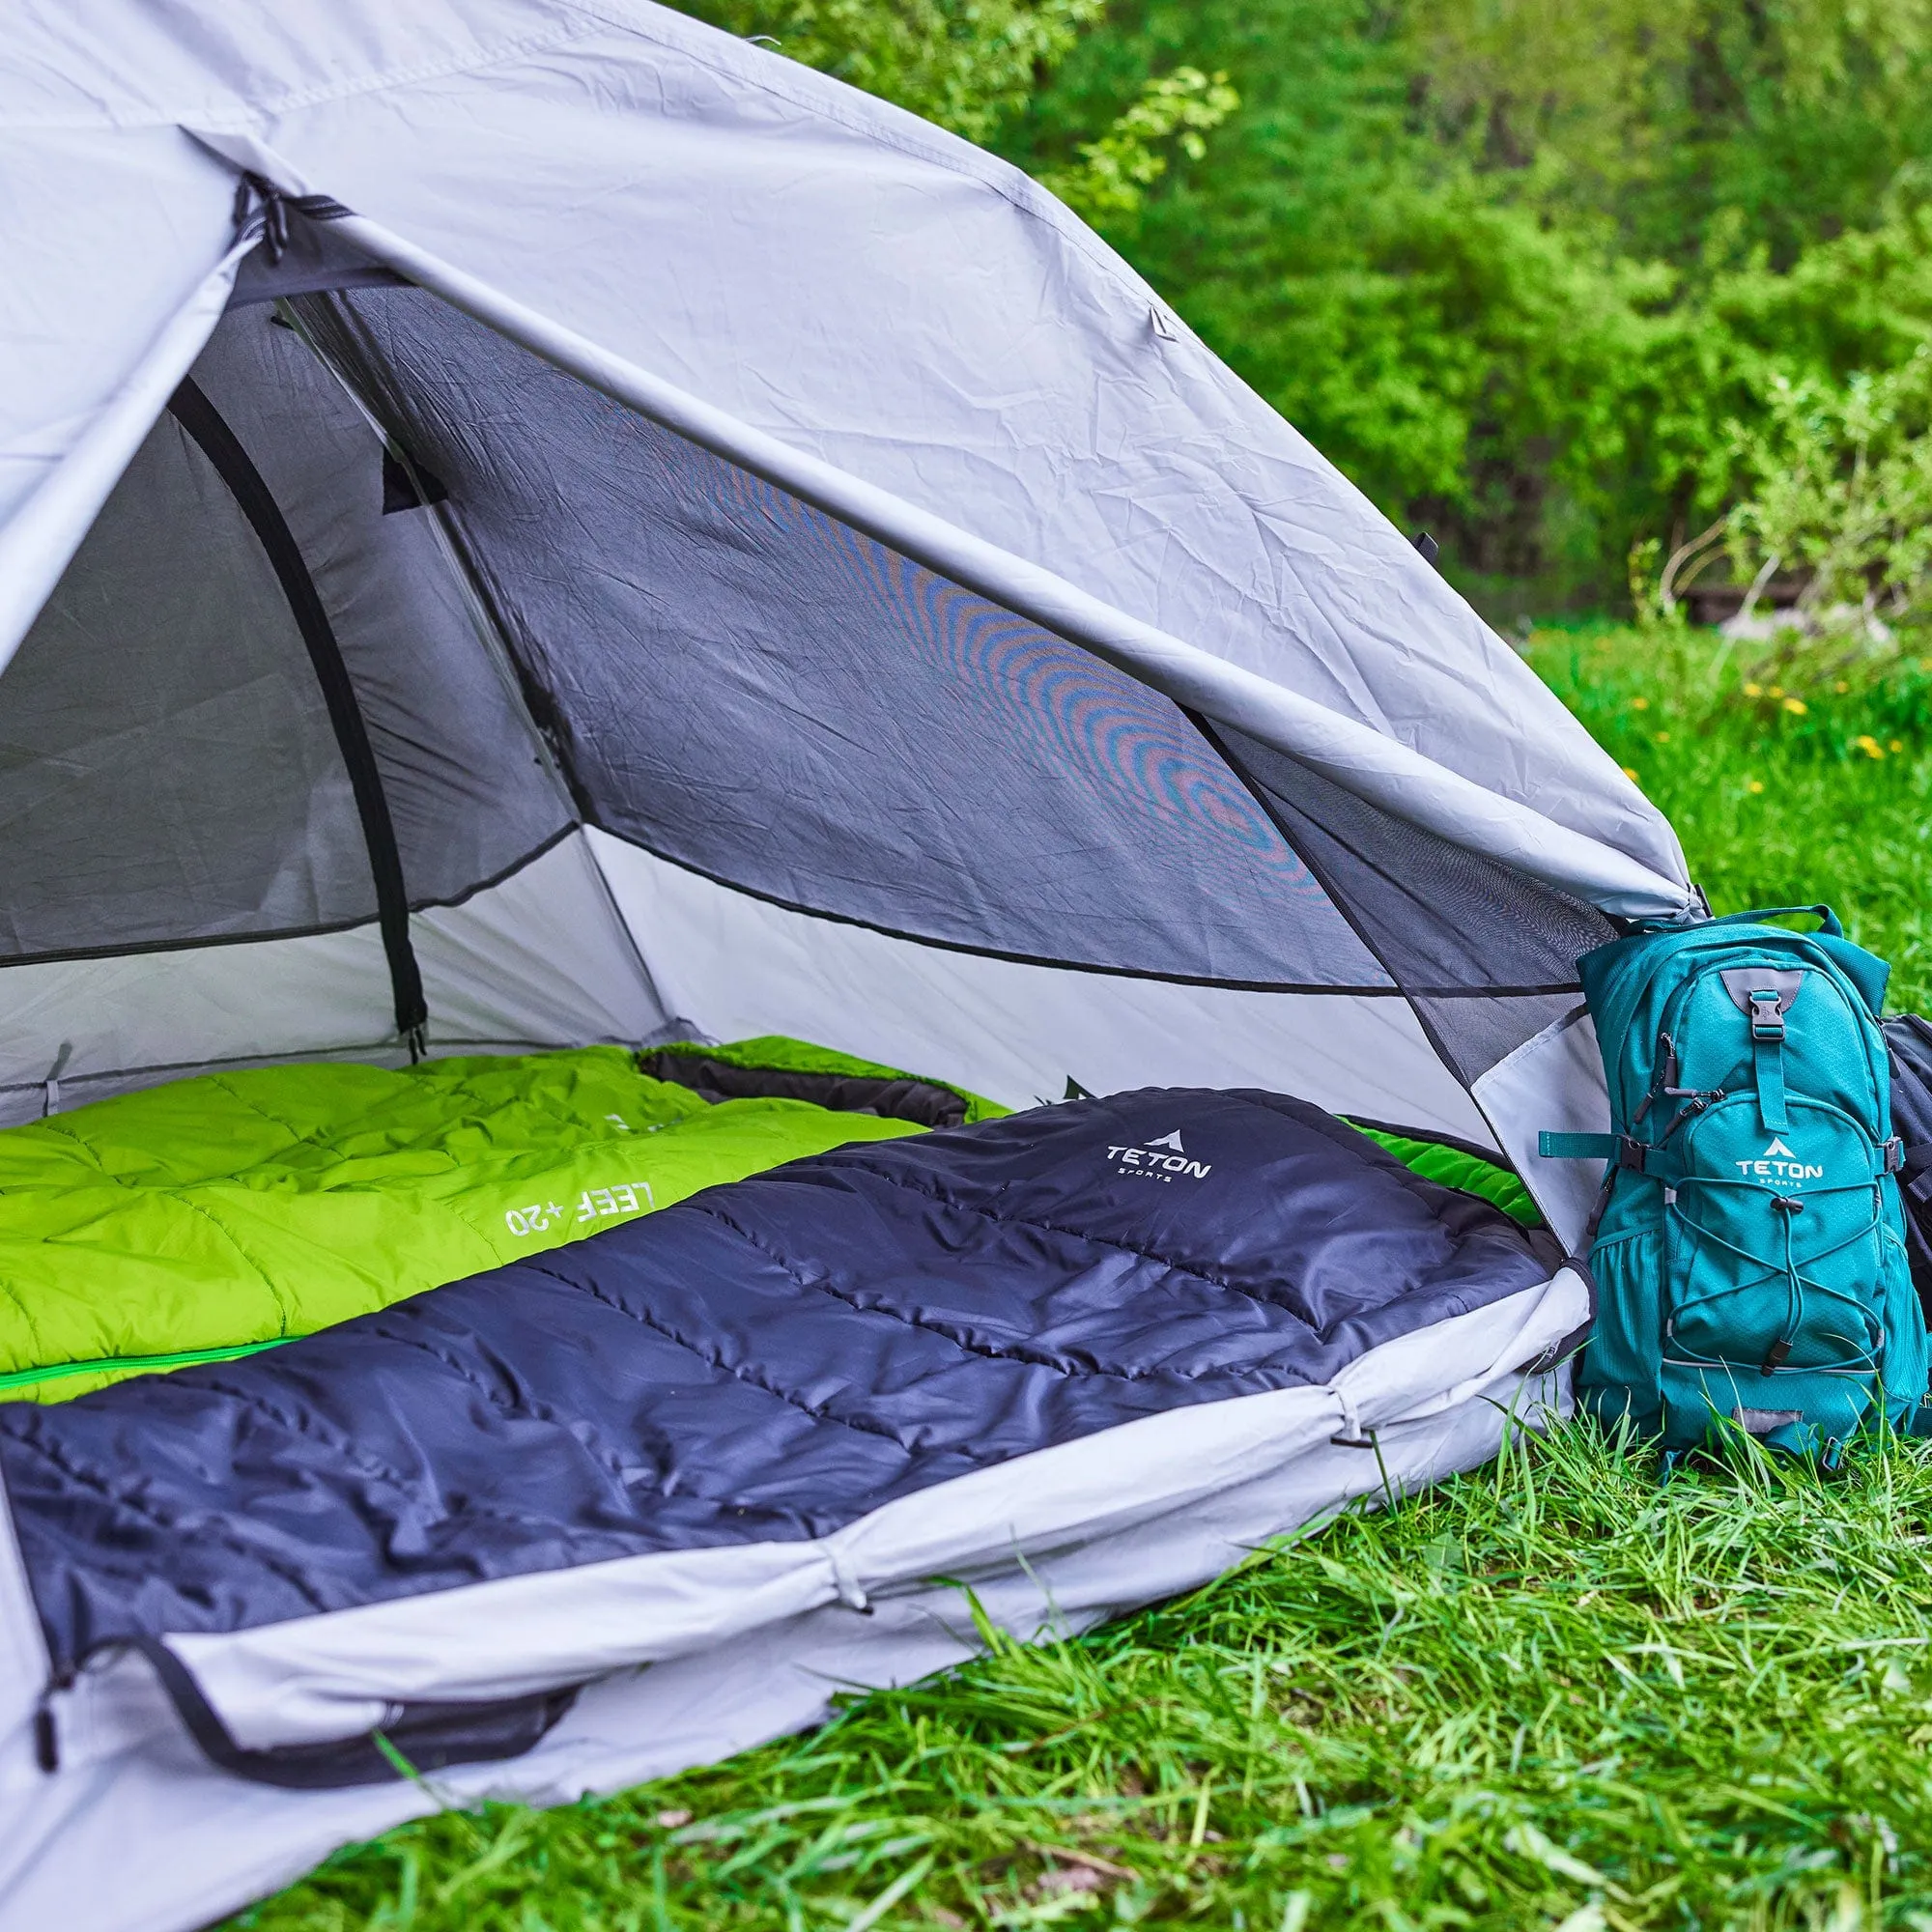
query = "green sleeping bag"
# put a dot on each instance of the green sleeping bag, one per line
(207, 1219)
(213, 1216)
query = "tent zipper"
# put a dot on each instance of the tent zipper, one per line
(191, 406)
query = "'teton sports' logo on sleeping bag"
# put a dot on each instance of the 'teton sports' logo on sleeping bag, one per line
(1159, 1161)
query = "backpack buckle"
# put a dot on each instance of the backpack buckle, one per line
(1767, 1013)
(1895, 1154)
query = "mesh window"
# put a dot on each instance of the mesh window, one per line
(1488, 956)
(751, 689)
(468, 789)
(167, 769)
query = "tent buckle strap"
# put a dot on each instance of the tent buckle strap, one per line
(256, 196)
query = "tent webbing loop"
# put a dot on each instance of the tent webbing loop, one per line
(191, 406)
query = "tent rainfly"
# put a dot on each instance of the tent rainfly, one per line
(527, 523)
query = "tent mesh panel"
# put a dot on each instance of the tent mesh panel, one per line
(1488, 956)
(723, 674)
(168, 773)
(469, 789)
(167, 770)
(753, 690)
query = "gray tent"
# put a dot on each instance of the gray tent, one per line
(525, 522)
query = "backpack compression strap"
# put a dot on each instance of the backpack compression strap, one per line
(1767, 1031)
(1633, 1153)
(1622, 1149)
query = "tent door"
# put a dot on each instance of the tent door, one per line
(191, 406)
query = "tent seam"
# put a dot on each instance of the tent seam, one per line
(1287, 988)
(327, 929)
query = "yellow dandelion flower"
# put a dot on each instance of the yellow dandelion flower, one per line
(1897, 745)
(1756, 785)
(1778, 691)
(1630, 771)
(1663, 737)
(1754, 690)
(1797, 707)
(1639, 705)
(1869, 744)
(1842, 685)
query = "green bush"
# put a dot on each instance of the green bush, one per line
(1540, 361)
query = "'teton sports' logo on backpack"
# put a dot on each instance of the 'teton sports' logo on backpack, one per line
(1780, 1166)
(1159, 1159)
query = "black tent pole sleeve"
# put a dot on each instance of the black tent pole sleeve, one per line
(203, 422)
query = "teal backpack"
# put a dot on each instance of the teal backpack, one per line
(1749, 1253)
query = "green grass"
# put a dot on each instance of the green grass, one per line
(1775, 806)
(1548, 1694)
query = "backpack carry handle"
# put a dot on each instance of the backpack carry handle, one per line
(1828, 920)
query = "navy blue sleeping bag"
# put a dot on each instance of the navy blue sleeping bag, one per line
(767, 1361)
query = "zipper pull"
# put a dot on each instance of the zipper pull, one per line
(46, 1734)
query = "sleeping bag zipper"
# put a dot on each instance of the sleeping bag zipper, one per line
(187, 1358)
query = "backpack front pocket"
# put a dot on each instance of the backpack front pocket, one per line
(1776, 1244)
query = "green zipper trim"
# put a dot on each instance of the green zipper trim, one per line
(135, 1365)
(1466, 1173)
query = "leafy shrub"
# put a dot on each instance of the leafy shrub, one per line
(1840, 484)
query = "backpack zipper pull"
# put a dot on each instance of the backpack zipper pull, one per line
(1662, 1076)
